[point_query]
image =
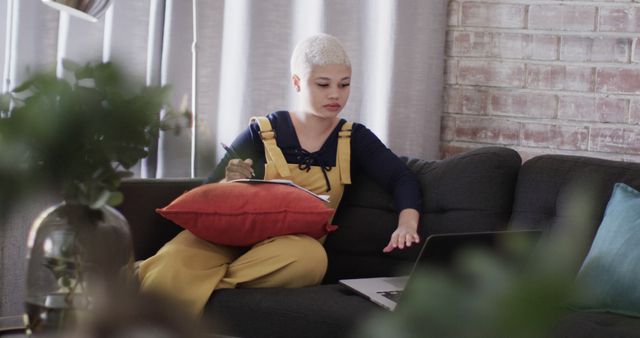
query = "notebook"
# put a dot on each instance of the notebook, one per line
(324, 198)
(437, 249)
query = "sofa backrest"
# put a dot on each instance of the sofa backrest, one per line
(468, 192)
(149, 230)
(547, 184)
(544, 181)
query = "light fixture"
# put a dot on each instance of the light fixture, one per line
(90, 10)
(194, 88)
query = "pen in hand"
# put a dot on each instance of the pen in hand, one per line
(234, 154)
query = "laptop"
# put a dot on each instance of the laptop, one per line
(438, 250)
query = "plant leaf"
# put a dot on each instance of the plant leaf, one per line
(5, 102)
(101, 200)
(116, 198)
(70, 65)
(76, 133)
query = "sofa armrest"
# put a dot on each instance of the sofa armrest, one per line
(149, 230)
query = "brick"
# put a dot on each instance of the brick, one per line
(447, 128)
(524, 46)
(619, 19)
(545, 76)
(487, 130)
(611, 110)
(523, 104)
(562, 17)
(575, 48)
(579, 108)
(453, 100)
(611, 49)
(451, 71)
(607, 139)
(510, 45)
(453, 13)
(479, 14)
(544, 47)
(483, 73)
(618, 80)
(555, 136)
(579, 78)
(559, 77)
(448, 43)
(470, 44)
(634, 111)
(636, 50)
(475, 101)
(622, 140)
(598, 49)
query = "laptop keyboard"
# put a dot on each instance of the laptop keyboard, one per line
(398, 282)
(392, 295)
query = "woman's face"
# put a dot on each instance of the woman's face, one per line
(325, 91)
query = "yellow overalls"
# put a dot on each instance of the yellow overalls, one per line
(189, 269)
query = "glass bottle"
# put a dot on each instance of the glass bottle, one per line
(76, 257)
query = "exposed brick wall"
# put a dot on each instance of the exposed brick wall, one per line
(543, 77)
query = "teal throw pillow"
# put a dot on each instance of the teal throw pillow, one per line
(611, 270)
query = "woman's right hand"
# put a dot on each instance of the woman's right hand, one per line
(237, 169)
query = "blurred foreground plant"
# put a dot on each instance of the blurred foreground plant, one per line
(81, 134)
(486, 296)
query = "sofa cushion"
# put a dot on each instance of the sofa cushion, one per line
(243, 214)
(596, 325)
(611, 270)
(472, 191)
(318, 311)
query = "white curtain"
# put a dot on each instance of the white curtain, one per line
(242, 63)
(397, 52)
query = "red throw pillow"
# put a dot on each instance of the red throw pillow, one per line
(242, 214)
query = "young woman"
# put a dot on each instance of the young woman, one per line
(311, 146)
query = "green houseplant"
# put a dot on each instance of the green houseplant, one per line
(81, 134)
(77, 136)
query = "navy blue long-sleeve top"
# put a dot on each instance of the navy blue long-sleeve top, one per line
(368, 156)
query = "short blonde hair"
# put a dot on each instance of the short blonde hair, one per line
(319, 49)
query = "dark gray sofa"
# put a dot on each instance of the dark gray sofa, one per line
(484, 189)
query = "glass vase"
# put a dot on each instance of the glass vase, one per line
(77, 257)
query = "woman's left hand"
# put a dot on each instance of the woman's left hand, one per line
(404, 236)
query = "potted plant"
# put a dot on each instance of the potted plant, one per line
(78, 136)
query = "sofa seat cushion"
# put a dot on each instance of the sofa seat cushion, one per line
(319, 311)
(597, 325)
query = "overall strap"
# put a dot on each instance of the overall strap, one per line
(344, 152)
(272, 152)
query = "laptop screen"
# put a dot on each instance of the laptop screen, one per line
(441, 249)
